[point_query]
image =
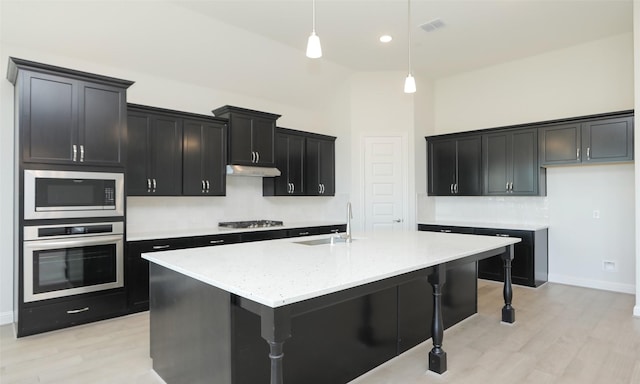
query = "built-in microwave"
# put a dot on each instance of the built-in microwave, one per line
(52, 194)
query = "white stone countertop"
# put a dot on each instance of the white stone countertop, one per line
(280, 272)
(138, 235)
(477, 224)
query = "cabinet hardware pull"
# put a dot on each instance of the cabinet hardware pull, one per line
(303, 233)
(81, 153)
(588, 153)
(154, 185)
(208, 185)
(511, 187)
(203, 188)
(253, 157)
(161, 246)
(257, 157)
(445, 230)
(75, 151)
(451, 188)
(507, 187)
(577, 153)
(148, 185)
(323, 188)
(502, 235)
(72, 311)
(216, 242)
(455, 188)
(319, 188)
(293, 187)
(335, 230)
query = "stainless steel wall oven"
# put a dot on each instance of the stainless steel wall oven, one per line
(68, 259)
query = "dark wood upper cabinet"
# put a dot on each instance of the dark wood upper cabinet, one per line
(69, 117)
(204, 158)
(320, 166)
(290, 160)
(511, 162)
(154, 166)
(455, 166)
(251, 136)
(600, 140)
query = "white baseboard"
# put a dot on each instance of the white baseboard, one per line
(6, 318)
(596, 284)
(636, 311)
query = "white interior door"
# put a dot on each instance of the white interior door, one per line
(384, 183)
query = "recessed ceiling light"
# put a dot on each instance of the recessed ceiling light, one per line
(385, 38)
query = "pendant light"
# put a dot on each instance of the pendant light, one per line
(314, 50)
(409, 82)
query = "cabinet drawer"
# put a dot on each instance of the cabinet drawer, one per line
(445, 229)
(80, 310)
(332, 229)
(264, 235)
(207, 241)
(297, 232)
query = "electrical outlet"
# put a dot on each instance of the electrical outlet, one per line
(609, 266)
(596, 214)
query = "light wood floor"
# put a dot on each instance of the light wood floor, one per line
(562, 334)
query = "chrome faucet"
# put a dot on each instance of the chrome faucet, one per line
(347, 235)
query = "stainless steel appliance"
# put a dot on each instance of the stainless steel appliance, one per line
(70, 194)
(68, 259)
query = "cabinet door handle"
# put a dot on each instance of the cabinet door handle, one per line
(323, 188)
(73, 311)
(445, 230)
(216, 242)
(303, 233)
(336, 230)
(451, 188)
(455, 188)
(502, 235)
(588, 153)
(253, 157)
(161, 246)
(208, 186)
(154, 185)
(506, 187)
(148, 185)
(293, 187)
(81, 153)
(578, 153)
(257, 157)
(75, 151)
(203, 188)
(319, 188)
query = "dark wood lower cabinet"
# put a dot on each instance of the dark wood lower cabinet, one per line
(530, 264)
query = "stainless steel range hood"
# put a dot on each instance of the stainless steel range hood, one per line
(246, 170)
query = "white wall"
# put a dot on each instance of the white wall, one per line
(590, 78)
(194, 71)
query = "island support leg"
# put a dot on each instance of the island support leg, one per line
(437, 355)
(508, 312)
(275, 329)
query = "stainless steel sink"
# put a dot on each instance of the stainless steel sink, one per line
(328, 240)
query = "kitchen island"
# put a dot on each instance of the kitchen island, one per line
(200, 296)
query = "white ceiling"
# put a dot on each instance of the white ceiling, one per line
(477, 33)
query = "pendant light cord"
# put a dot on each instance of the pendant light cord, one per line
(408, 31)
(314, 16)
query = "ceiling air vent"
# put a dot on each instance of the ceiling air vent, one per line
(432, 25)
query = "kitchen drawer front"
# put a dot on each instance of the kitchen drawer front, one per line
(208, 241)
(160, 245)
(264, 235)
(297, 232)
(445, 229)
(332, 229)
(83, 309)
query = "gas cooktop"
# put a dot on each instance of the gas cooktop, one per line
(251, 224)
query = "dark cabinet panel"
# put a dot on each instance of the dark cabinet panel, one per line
(454, 166)
(290, 160)
(251, 136)
(320, 167)
(598, 140)
(69, 117)
(154, 164)
(607, 140)
(204, 158)
(530, 263)
(511, 162)
(560, 144)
